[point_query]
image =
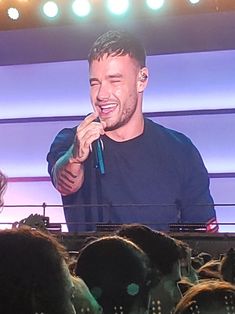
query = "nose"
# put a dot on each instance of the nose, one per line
(103, 92)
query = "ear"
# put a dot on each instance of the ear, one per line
(142, 79)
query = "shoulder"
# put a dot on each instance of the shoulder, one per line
(172, 143)
(65, 136)
(60, 145)
(63, 139)
(66, 133)
(167, 135)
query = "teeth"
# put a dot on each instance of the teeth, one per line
(108, 106)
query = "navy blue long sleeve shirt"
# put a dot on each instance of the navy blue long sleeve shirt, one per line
(156, 179)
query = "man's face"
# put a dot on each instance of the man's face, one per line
(114, 90)
(167, 292)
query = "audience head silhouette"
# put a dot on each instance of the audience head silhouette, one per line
(34, 275)
(208, 297)
(164, 255)
(228, 266)
(117, 274)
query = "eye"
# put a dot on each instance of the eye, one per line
(115, 81)
(94, 82)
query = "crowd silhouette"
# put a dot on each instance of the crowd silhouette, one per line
(134, 270)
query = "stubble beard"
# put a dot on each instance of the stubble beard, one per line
(125, 118)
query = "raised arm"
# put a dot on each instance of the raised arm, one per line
(68, 154)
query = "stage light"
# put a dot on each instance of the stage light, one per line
(81, 7)
(155, 4)
(194, 1)
(118, 7)
(50, 9)
(13, 13)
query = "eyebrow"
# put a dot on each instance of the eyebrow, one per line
(110, 76)
(117, 75)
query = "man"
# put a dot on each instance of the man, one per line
(150, 174)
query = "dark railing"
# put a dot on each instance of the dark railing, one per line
(44, 210)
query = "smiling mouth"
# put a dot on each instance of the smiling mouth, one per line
(105, 109)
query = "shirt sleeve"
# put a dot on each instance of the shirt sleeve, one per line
(62, 142)
(197, 203)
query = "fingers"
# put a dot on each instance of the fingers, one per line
(65, 181)
(89, 119)
(88, 131)
(85, 144)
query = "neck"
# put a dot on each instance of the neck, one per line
(132, 129)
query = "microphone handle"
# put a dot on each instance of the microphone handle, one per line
(100, 156)
(97, 148)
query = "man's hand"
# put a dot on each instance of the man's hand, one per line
(68, 172)
(88, 131)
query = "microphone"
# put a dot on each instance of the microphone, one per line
(97, 148)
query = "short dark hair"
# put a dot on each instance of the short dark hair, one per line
(210, 295)
(31, 272)
(227, 268)
(161, 249)
(111, 267)
(117, 43)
